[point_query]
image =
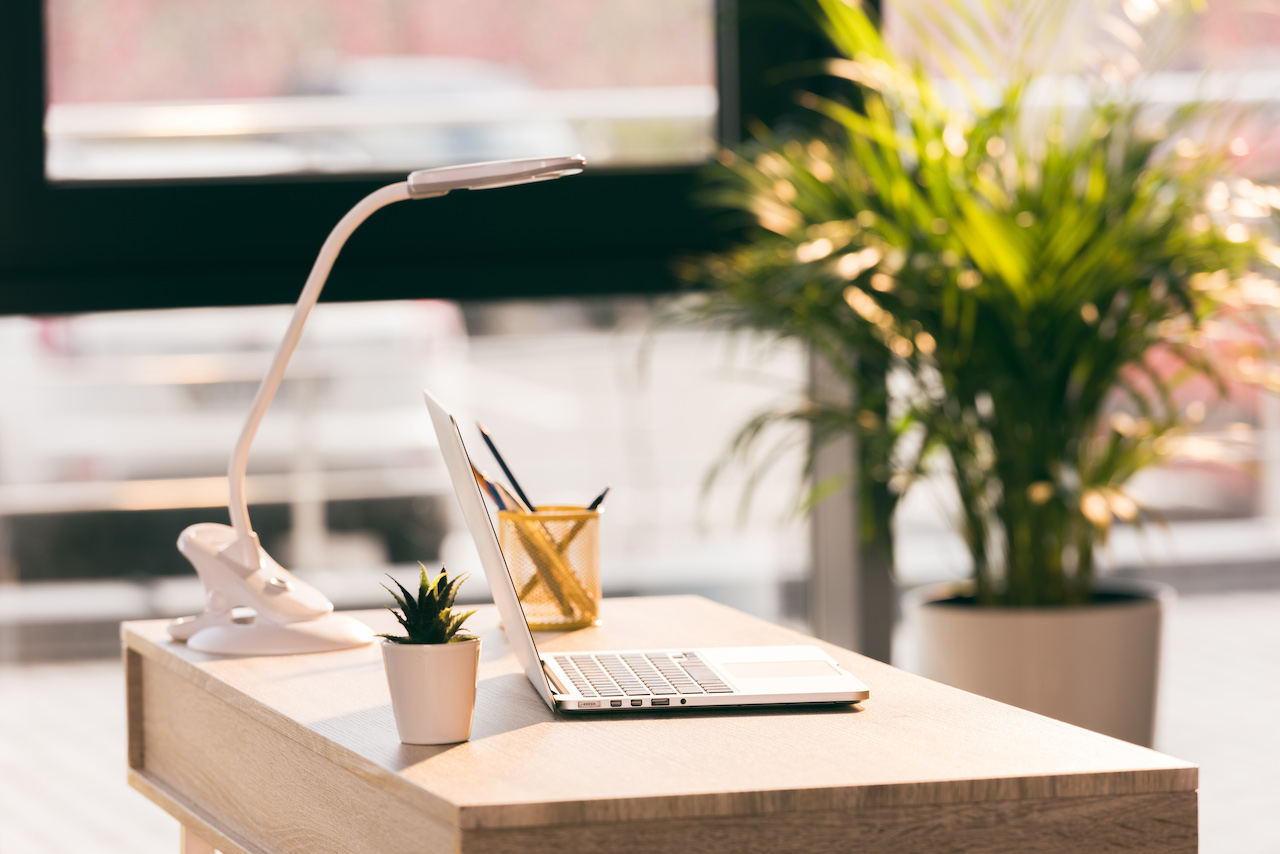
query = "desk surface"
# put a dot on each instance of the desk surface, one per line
(232, 746)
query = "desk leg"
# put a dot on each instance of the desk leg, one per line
(194, 844)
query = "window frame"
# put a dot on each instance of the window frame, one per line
(111, 245)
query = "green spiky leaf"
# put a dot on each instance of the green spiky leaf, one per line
(428, 617)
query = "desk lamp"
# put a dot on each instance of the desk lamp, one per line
(291, 616)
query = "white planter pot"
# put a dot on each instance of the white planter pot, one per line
(1094, 665)
(433, 689)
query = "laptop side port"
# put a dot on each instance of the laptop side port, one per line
(615, 703)
(660, 701)
(588, 704)
(637, 702)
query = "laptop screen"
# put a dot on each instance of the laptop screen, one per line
(480, 525)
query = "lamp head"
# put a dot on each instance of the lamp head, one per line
(427, 183)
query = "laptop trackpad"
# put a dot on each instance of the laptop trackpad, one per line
(777, 669)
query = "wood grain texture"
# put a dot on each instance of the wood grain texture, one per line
(259, 786)
(190, 816)
(1131, 823)
(133, 708)
(914, 743)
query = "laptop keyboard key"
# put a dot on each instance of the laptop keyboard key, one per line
(640, 674)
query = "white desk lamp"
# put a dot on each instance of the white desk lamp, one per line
(291, 615)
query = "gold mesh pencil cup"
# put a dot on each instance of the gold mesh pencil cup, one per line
(554, 557)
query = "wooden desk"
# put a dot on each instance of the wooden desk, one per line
(300, 754)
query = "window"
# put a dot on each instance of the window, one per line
(70, 249)
(248, 241)
(247, 87)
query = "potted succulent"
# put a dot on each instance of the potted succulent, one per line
(431, 668)
(1034, 285)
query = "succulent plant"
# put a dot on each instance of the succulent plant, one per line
(428, 618)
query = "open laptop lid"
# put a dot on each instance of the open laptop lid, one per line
(486, 539)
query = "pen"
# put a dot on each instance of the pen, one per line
(493, 449)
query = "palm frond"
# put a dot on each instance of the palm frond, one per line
(1021, 268)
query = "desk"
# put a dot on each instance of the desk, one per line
(300, 754)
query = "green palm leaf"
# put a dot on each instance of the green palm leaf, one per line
(1025, 269)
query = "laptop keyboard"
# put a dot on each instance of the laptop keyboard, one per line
(638, 674)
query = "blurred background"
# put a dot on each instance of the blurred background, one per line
(154, 89)
(116, 425)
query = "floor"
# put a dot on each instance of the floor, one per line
(62, 756)
(1219, 704)
(62, 764)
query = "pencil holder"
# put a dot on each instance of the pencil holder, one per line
(554, 557)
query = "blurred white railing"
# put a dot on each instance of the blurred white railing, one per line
(364, 133)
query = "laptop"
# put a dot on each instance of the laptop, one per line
(637, 679)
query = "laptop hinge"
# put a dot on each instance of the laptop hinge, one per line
(551, 677)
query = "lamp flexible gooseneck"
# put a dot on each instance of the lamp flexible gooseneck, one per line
(290, 615)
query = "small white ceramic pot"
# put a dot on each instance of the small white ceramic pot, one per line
(1095, 665)
(433, 689)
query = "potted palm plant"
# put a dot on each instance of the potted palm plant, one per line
(1034, 284)
(431, 668)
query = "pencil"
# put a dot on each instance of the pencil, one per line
(599, 499)
(488, 487)
(549, 565)
(515, 484)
